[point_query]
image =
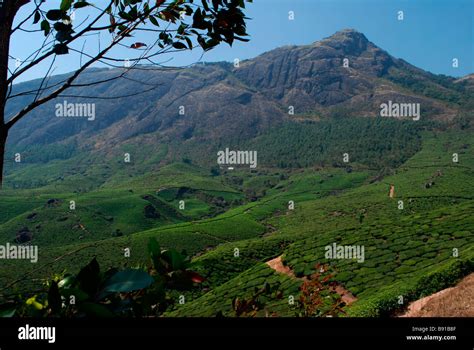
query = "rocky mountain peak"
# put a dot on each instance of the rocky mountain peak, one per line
(348, 34)
(350, 41)
(344, 72)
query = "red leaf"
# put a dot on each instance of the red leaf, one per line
(137, 45)
(195, 277)
(112, 23)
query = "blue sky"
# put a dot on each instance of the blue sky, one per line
(432, 33)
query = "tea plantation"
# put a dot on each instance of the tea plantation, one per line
(416, 242)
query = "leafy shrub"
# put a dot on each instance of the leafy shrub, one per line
(387, 303)
(131, 292)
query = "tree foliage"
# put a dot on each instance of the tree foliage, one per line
(373, 142)
(130, 292)
(171, 26)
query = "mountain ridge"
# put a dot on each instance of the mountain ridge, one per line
(221, 102)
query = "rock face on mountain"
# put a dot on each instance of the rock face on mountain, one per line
(204, 101)
(345, 72)
(325, 73)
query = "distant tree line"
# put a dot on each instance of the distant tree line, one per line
(374, 142)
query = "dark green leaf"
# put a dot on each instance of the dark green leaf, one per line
(154, 21)
(55, 15)
(175, 260)
(179, 45)
(7, 311)
(81, 4)
(209, 44)
(54, 298)
(60, 49)
(45, 27)
(182, 28)
(61, 27)
(153, 247)
(128, 281)
(125, 15)
(63, 31)
(198, 20)
(189, 42)
(66, 282)
(65, 5)
(241, 39)
(37, 17)
(88, 278)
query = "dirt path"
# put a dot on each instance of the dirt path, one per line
(346, 296)
(457, 301)
(277, 265)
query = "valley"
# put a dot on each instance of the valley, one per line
(405, 250)
(395, 194)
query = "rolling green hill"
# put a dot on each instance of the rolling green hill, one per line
(403, 247)
(330, 171)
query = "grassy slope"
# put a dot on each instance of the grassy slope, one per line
(402, 246)
(101, 212)
(236, 225)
